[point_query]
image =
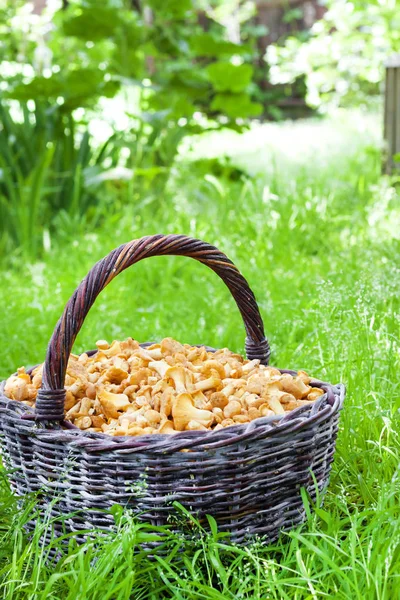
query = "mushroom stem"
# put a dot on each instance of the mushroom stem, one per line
(207, 384)
(160, 366)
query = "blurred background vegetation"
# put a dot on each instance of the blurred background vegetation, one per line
(97, 97)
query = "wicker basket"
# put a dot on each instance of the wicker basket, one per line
(247, 476)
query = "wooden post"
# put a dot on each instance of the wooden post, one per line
(392, 114)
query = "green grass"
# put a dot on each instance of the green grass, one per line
(318, 241)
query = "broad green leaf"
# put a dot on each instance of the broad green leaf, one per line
(38, 87)
(93, 23)
(78, 87)
(176, 105)
(236, 106)
(206, 44)
(226, 77)
(170, 8)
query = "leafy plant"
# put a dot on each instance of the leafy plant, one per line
(173, 79)
(342, 59)
(96, 49)
(44, 162)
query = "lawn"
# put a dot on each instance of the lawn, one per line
(314, 229)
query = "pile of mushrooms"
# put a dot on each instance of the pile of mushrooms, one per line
(124, 389)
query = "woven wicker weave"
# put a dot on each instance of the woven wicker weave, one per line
(247, 476)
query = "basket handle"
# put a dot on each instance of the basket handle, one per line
(51, 396)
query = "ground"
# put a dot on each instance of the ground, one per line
(314, 229)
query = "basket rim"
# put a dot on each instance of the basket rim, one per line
(322, 409)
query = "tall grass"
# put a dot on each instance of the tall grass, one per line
(321, 254)
(44, 161)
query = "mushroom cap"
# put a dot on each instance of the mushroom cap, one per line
(218, 414)
(184, 411)
(16, 388)
(272, 387)
(181, 377)
(116, 375)
(195, 426)
(209, 368)
(232, 408)
(241, 418)
(304, 377)
(252, 400)
(129, 345)
(97, 420)
(218, 400)
(295, 386)
(112, 403)
(315, 393)
(153, 417)
(167, 427)
(254, 413)
(199, 399)
(83, 422)
(114, 349)
(155, 351)
(102, 344)
(160, 366)
(170, 347)
(139, 375)
(271, 372)
(266, 411)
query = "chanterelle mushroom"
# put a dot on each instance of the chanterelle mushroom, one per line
(126, 389)
(208, 384)
(160, 366)
(184, 411)
(112, 403)
(170, 347)
(116, 375)
(210, 367)
(166, 427)
(295, 386)
(16, 388)
(181, 377)
(166, 401)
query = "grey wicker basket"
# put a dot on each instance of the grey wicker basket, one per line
(248, 477)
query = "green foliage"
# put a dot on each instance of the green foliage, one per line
(77, 88)
(342, 60)
(111, 44)
(236, 105)
(318, 241)
(230, 82)
(174, 79)
(44, 162)
(211, 45)
(91, 21)
(226, 77)
(177, 9)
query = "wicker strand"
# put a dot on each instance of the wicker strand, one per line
(50, 405)
(260, 350)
